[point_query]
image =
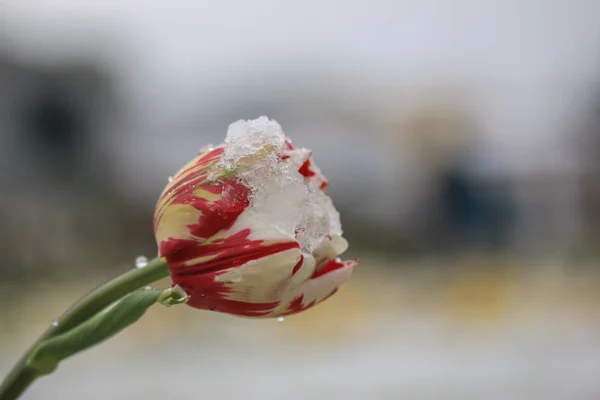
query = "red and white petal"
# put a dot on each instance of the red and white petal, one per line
(258, 228)
(302, 158)
(254, 284)
(186, 180)
(207, 294)
(199, 215)
(313, 174)
(193, 208)
(303, 270)
(244, 270)
(220, 253)
(316, 289)
(331, 247)
(172, 227)
(264, 280)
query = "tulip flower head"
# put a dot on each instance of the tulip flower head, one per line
(246, 227)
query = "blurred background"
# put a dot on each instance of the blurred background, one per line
(461, 140)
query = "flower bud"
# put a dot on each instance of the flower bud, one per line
(247, 229)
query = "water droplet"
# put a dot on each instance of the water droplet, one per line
(280, 319)
(141, 262)
(170, 179)
(55, 322)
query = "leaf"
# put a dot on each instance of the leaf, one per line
(107, 323)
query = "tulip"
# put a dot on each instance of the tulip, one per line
(246, 227)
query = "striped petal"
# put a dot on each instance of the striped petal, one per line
(244, 270)
(318, 288)
(331, 247)
(306, 165)
(254, 288)
(194, 174)
(193, 207)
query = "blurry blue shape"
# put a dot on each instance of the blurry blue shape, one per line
(478, 212)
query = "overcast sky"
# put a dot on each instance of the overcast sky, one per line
(531, 62)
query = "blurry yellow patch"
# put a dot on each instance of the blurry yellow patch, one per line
(480, 297)
(174, 221)
(344, 316)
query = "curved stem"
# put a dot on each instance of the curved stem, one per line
(21, 375)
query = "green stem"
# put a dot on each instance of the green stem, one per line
(21, 376)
